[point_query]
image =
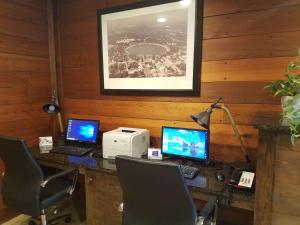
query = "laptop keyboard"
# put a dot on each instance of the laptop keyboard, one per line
(71, 150)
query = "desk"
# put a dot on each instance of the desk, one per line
(104, 194)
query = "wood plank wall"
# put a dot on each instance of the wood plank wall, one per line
(246, 44)
(24, 69)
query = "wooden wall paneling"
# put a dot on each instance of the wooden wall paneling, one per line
(75, 79)
(22, 46)
(257, 69)
(36, 4)
(237, 92)
(80, 26)
(78, 9)
(242, 113)
(253, 93)
(246, 113)
(39, 79)
(252, 46)
(252, 22)
(93, 93)
(22, 12)
(13, 62)
(140, 109)
(18, 112)
(19, 28)
(24, 72)
(257, 22)
(13, 79)
(242, 52)
(80, 42)
(230, 153)
(12, 96)
(81, 59)
(216, 7)
(29, 129)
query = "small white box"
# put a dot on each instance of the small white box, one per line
(45, 144)
(154, 153)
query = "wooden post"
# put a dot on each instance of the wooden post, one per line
(52, 59)
(265, 177)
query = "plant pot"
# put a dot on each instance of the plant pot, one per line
(285, 121)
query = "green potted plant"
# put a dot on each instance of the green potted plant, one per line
(289, 89)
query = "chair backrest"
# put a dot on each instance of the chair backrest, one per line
(22, 178)
(154, 193)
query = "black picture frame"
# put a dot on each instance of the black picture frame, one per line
(137, 64)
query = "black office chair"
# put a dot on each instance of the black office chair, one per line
(155, 193)
(25, 189)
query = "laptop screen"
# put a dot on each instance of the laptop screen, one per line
(82, 130)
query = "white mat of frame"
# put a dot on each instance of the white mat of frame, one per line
(18, 220)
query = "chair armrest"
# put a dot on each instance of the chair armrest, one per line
(209, 211)
(209, 207)
(60, 174)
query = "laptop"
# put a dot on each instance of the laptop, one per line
(81, 137)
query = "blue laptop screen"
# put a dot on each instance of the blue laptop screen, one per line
(82, 130)
(184, 142)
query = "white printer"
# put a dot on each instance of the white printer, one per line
(125, 141)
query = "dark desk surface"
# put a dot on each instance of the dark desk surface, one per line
(202, 187)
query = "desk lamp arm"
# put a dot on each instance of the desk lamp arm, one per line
(61, 128)
(235, 130)
(55, 99)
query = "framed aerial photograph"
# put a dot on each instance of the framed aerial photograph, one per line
(151, 48)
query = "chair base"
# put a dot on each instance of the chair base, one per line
(67, 218)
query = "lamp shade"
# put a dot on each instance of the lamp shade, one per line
(203, 118)
(51, 107)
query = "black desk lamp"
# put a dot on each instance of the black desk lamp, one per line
(203, 119)
(53, 108)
